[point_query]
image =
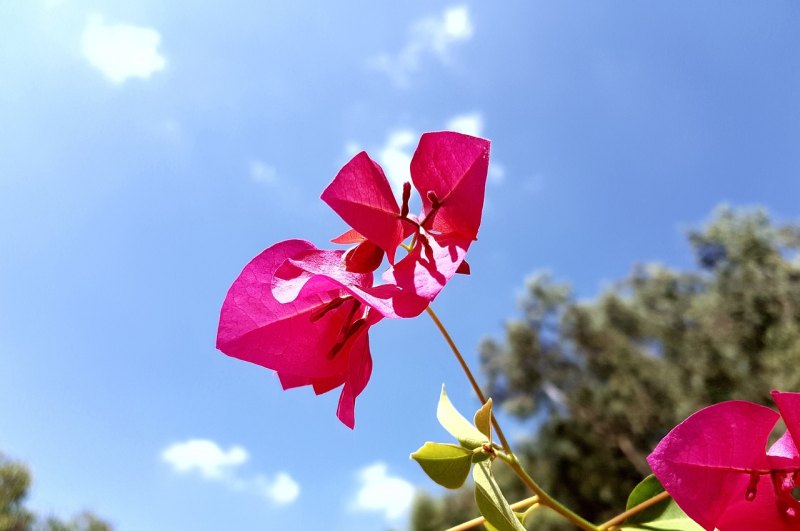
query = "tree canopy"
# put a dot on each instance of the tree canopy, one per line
(15, 481)
(606, 379)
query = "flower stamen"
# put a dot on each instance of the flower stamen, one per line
(349, 329)
(322, 311)
(435, 204)
(752, 487)
(406, 199)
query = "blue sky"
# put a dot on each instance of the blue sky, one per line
(148, 150)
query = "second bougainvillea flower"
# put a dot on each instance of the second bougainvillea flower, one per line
(319, 339)
(305, 312)
(717, 468)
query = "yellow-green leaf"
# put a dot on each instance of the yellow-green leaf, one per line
(483, 419)
(459, 427)
(491, 502)
(446, 464)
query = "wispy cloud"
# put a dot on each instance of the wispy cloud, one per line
(380, 492)
(281, 489)
(394, 155)
(122, 51)
(263, 173)
(206, 459)
(497, 173)
(433, 36)
(469, 124)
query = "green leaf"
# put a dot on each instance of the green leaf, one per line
(477, 457)
(459, 427)
(446, 464)
(665, 515)
(483, 419)
(491, 502)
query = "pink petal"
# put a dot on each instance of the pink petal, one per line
(365, 257)
(463, 268)
(359, 371)
(316, 271)
(454, 167)
(426, 270)
(320, 385)
(255, 327)
(783, 454)
(349, 237)
(789, 407)
(362, 196)
(704, 461)
(760, 514)
(313, 271)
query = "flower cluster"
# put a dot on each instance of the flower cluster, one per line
(717, 468)
(306, 312)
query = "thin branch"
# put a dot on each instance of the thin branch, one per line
(475, 522)
(633, 510)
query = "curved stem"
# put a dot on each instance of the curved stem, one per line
(544, 498)
(633, 510)
(533, 500)
(475, 387)
(509, 457)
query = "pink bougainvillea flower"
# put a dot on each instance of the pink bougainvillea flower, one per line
(716, 467)
(320, 338)
(305, 312)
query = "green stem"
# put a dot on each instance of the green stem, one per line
(633, 510)
(475, 522)
(475, 387)
(544, 498)
(508, 456)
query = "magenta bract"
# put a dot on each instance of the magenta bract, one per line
(306, 312)
(717, 468)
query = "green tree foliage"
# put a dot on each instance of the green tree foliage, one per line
(609, 377)
(14, 483)
(15, 480)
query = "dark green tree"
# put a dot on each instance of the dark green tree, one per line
(15, 480)
(610, 377)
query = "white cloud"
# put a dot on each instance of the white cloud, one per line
(430, 36)
(497, 173)
(352, 148)
(208, 460)
(281, 490)
(469, 124)
(122, 51)
(380, 492)
(204, 457)
(395, 156)
(263, 173)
